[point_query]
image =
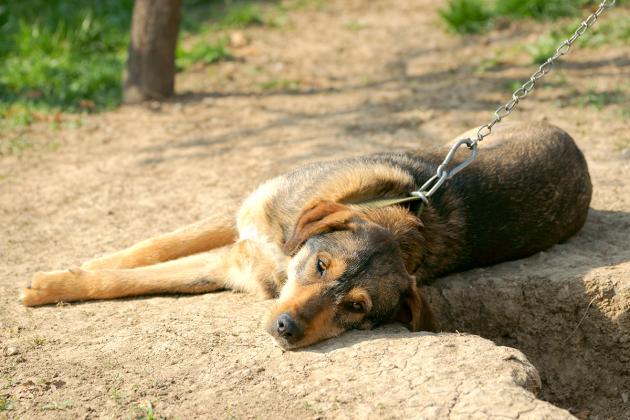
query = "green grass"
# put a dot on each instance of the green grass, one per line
(242, 16)
(467, 16)
(202, 52)
(6, 403)
(599, 100)
(543, 48)
(355, 25)
(144, 412)
(61, 405)
(69, 55)
(539, 9)
(615, 31)
(280, 85)
(39, 341)
(54, 54)
(14, 144)
(474, 16)
(149, 413)
(489, 64)
(117, 395)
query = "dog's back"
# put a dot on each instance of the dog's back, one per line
(534, 191)
(527, 191)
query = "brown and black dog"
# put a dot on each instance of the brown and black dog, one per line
(335, 264)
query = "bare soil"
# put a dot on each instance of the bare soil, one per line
(398, 82)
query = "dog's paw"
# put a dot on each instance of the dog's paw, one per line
(33, 297)
(51, 287)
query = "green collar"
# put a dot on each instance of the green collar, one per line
(377, 203)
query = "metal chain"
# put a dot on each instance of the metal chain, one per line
(443, 173)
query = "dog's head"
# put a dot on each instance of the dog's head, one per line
(346, 272)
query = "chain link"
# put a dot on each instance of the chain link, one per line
(520, 93)
(442, 174)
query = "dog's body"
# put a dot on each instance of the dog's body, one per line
(334, 263)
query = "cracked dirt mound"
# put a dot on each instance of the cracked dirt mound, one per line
(572, 325)
(206, 369)
(397, 84)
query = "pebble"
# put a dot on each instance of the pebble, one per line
(238, 39)
(12, 351)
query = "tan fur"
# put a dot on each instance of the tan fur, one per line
(359, 294)
(319, 217)
(202, 236)
(318, 327)
(240, 267)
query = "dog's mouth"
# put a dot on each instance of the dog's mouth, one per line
(292, 339)
(283, 343)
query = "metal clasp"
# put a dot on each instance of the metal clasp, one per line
(472, 146)
(443, 173)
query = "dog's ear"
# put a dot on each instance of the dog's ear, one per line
(320, 217)
(414, 310)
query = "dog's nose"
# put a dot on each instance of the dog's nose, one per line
(287, 328)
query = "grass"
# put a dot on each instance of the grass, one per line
(242, 16)
(145, 412)
(487, 64)
(280, 85)
(539, 9)
(467, 16)
(62, 405)
(117, 395)
(39, 341)
(6, 403)
(599, 100)
(543, 48)
(14, 144)
(9, 381)
(611, 32)
(149, 413)
(202, 52)
(474, 16)
(615, 31)
(69, 55)
(65, 52)
(355, 25)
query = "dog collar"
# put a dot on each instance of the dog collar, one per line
(377, 203)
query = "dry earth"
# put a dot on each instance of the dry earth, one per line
(393, 82)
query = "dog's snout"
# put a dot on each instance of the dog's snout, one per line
(287, 328)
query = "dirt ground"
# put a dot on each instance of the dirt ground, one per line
(394, 81)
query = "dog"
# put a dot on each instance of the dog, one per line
(335, 263)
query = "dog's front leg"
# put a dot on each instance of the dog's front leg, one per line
(243, 266)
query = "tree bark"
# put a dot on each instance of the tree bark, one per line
(150, 72)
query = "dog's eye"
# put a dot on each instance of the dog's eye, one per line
(321, 267)
(358, 307)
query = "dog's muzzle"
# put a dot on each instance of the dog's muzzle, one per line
(286, 330)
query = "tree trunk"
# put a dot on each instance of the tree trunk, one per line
(150, 72)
